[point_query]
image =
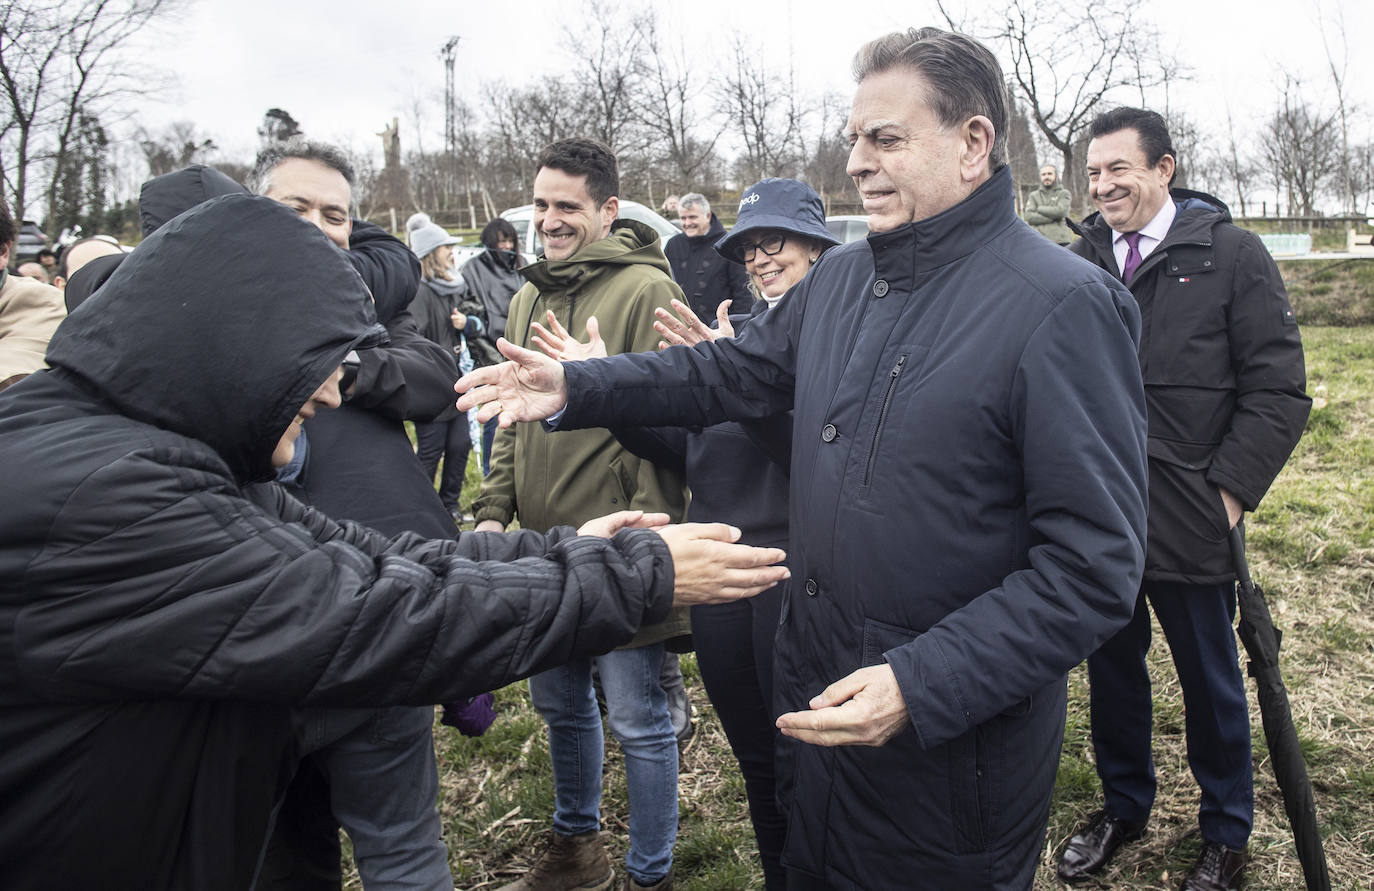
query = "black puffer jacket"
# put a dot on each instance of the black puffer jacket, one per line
(1225, 380)
(492, 277)
(155, 623)
(707, 278)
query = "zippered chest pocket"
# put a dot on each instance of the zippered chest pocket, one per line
(884, 409)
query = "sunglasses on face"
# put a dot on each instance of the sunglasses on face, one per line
(769, 244)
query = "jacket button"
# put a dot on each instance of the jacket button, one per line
(880, 288)
(812, 589)
(828, 433)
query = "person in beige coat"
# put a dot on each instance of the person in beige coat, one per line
(30, 312)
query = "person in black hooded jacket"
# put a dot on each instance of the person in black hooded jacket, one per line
(159, 617)
(402, 375)
(706, 278)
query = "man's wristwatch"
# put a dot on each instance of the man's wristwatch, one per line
(350, 372)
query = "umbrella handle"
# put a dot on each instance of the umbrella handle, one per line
(1238, 554)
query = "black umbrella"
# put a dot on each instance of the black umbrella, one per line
(1261, 641)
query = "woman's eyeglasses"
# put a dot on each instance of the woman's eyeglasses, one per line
(770, 245)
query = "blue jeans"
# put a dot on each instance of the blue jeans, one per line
(384, 790)
(637, 712)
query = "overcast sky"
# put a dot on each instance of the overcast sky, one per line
(344, 69)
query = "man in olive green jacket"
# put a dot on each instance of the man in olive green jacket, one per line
(1048, 206)
(614, 270)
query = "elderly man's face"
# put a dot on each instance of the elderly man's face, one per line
(694, 220)
(317, 192)
(905, 163)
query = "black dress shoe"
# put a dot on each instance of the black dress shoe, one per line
(1092, 847)
(1218, 868)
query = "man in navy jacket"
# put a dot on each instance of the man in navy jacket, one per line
(967, 502)
(1225, 386)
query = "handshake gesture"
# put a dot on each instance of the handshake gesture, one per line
(708, 567)
(529, 387)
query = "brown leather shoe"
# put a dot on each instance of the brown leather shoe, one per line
(1218, 868)
(1092, 847)
(569, 863)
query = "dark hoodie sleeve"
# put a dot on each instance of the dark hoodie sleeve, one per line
(1271, 378)
(208, 596)
(409, 379)
(388, 268)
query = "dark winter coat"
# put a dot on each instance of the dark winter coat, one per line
(433, 313)
(707, 278)
(733, 477)
(1225, 380)
(492, 277)
(361, 465)
(156, 624)
(967, 505)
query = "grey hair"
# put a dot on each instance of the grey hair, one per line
(260, 180)
(694, 199)
(963, 76)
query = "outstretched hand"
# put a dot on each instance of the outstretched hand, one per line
(529, 387)
(687, 329)
(605, 527)
(558, 344)
(709, 568)
(865, 708)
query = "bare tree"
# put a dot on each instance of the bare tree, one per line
(1069, 59)
(828, 153)
(762, 105)
(278, 126)
(670, 107)
(58, 62)
(177, 146)
(608, 73)
(1241, 170)
(1337, 68)
(1298, 144)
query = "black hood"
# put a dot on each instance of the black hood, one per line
(219, 326)
(167, 196)
(161, 199)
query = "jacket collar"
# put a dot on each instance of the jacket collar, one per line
(900, 256)
(1197, 214)
(630, 243)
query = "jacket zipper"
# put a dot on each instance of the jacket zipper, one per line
(882, 415)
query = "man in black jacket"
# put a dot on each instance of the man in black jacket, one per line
(706, 278)
(161, 619)
(358, 464)
(1225, 389)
